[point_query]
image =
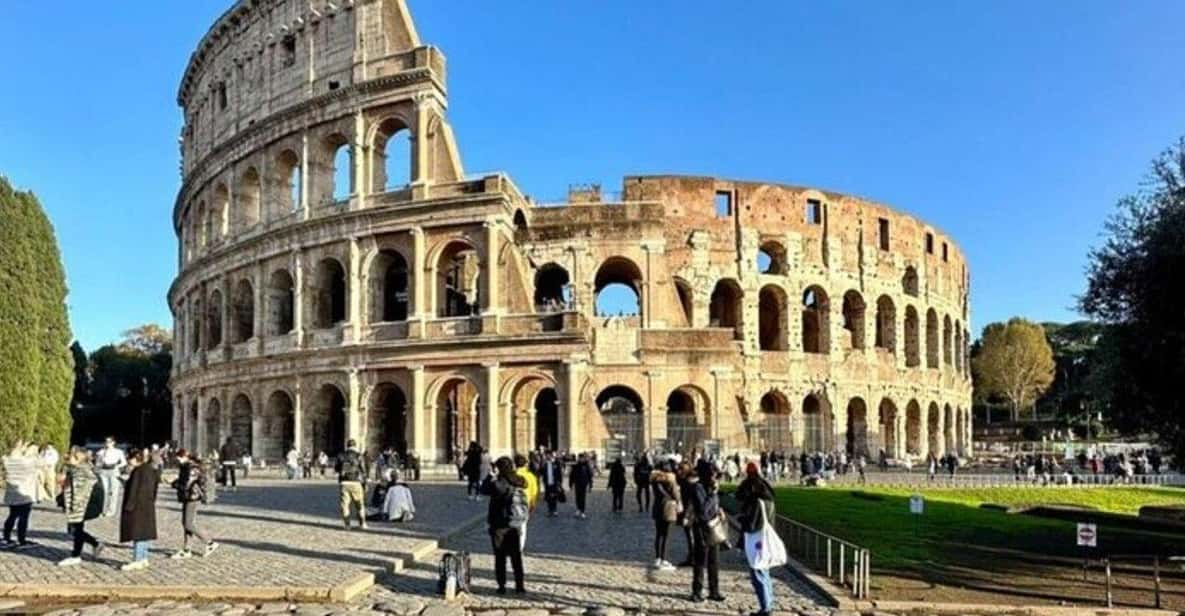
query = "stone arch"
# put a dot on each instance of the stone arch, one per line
(552, 287)
(324, 426)
(776, 431)
(288, 181)
(934, 429)
(520, 221)
(213, 425)
(688, 418)
(458, 284)
(205, 230)
(817, 423)
(281, 303)
(909, 281)
(393, 163)
(931, 338)
(193, 427)
(623, 414)
(389, 283)
(330, 295)
(249, 198)
(726, 308)
(773, 259)
(221, 210)
(947, 339)
(617, 279)
(956, 349)
(887, 416)
(772, 316)
(886, 324)
(338, 172)
(277, 431)
(458, 421)
(913, 428)
(853, 318)
(214, 320)
(686, 300)
(241, 417)
(196, 317)
(816, 320)
(387, 420)
(534, 406)
(243, 307)
(913, 356)
(857, 429)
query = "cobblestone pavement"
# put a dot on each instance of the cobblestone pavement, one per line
(272, 532)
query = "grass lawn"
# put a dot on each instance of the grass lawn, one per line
(1113, 500)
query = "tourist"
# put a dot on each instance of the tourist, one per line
(617, 483)
(351, 477)
(553, 483)
(642, 470)
(247, 461)
(504, 521)
(194, 487)
(931, 465)
(230, 461)
(754, 493)
(701, 505)
(322, 463)
(49, 469)
(581, 480)
(471, 468)
(668, 505)
(860, 466)
(110, 460)
(81, 503)
(22, 490)
(532, 493)
(292, 462)
(137, 522)
(398, 505)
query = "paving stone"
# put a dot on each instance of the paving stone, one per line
(403, 607)
(11, 604)
(605, 611)
(274, 608)
(443, 610)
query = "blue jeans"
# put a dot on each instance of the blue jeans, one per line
(110, 481)
(764, 586)
(140, 550)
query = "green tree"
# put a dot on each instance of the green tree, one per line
(35, 363)
(1075, 352)
(1014, 362)
(127, 394)
(1136, 286)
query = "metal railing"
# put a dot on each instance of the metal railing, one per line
(844, 563)
(920, 478)
(1136, 560)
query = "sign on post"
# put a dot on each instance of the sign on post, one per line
(917, 504)
(1088, 535)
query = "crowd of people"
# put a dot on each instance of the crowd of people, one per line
(1121, 467)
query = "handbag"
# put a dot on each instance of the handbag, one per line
(717, 530)
(764, 548)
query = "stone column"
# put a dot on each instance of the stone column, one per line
(492, 419)
(355, 291)
(421, 281)
(177, 431)
(297, 418)
(570, 409)
(654, 424)
(298, 296)
(493, 301)
(259, 321)
(647, 291)
(304, 176)
(423, 418)
(717, 406)
(359, 155)
(355, 413)
(420, 147)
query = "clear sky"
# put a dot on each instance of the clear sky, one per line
(1012, 125)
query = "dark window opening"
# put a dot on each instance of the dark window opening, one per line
(222, 96)
(333, 85)
(814, 212)
(945, 252)
(883, 227)
(723, 204)
(929, 243)
(289, 51)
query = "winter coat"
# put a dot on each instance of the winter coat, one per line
(137, 519)
(642, 470)
(76, 492)
(188, 482)
(617, 475)
(665, 487)
(557, 476)
(501, 493)
(581, 477)
(21, 474)
(754, 492)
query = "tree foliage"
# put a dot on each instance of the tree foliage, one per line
(125, 390)
(1136, 286)
(1014, 362)
(35, 362)
(1075, 354)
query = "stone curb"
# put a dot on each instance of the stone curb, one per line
(342, 592)
(421, 550)
(1025, 610)
(834, 595)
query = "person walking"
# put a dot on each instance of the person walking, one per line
(581, 480)
(642, 470)
(22, 489)
(83, 501)
(471, 468)
(229, 454)
(137, 521)
(668, 504)
(292, 462)
(753, 496)
(505, 519)
(193, 486)
(702, 502)
(553, 483)
(49, 470)
(351, 477)
(532, 491)
(111, 460)
(617, 483)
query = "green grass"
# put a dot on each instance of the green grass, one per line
(1112, 500)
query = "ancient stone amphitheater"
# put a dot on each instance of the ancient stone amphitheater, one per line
(341, 276)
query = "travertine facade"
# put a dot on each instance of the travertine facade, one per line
(341, 276)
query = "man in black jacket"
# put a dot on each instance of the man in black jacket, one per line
(617, 484)
(230, 457)
(581, 481)
(552, 477)
(501, 486)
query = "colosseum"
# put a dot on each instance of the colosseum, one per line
(341, 276)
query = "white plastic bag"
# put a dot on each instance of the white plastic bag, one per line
(764, 549)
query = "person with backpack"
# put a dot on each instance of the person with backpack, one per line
(194, 487)
(581, 481)
(507, 517)
(351, 478)
(137, 520)
(22, 489)
(755, 498)
(668, 505)
(617, 484)
(642, 470)
(82, 501)
(532, 490)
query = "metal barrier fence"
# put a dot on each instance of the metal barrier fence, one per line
(1135, 560)
(992, 480)
(844, 563)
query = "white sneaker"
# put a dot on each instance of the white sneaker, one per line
(135, 565)
(668, 566)
(70, 562)
(657, 563)
(181, 555)
(210, 547)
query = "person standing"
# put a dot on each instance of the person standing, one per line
(111, 460)
(532, 492)
(581, 479)
(22, 488)
(703, 503)
(755, 498)
(81, 504)
(193, 487)
(137, 522)
(617, 483)
(667, 506)
(642, 470)
(471, 468)
(292, 462)
(351, 477)
(504, 521)
(553, 483)
(230, 463)
(49, 470)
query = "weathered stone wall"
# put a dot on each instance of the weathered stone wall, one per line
(340, 277)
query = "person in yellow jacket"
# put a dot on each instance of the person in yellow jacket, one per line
(532, 490)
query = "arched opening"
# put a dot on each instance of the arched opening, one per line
(961, 431)
(214, 321)
(458, 280)
(776, 433)
(957, 349)
(686, 300)
(816, 422)
(387, 420)
(196, 317)
(278, 428)
(192, 428)
(547, 422)
(457, 418)
(250, 197)
(281, 303)
(913, 356)
(772, 306)
(622, 413)
(886, 324)
(221, 213)
(552, 292)
(203, 226)
(887, 415)
(325, 423)
(853, 318)
(393, 156)
(686, 415)
(240, 423)
(816, 322)
(288, 179)
(909, 281)
(934, 429)
(772, 259)
(389, 287)
(330, 299)
(726, 306)
(913, 428)
(520, 221)
(618, 288)
(931, 339)
(947, 333)
(948, 428)
(341, 156)
(857, 444)
(244, 312)
(213, 425)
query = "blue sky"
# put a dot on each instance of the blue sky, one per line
(1012, 125)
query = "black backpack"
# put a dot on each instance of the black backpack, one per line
(94, 506)
(351, 467)
(454, 574)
